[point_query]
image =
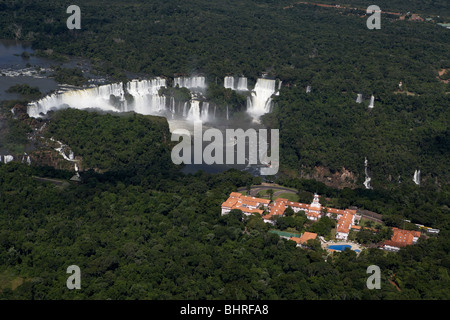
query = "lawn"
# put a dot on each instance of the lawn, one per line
(290, 196)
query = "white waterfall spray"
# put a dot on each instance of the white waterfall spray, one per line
(194, 82)
(240, 85)
(372, 101)
(194, 111)
(228, 83)
(185, 109)
(142, 96)
(97, 97)
(359, 99)
(7, 158)
(261, 98)
(111, 97)
(205, 111)
(26, 159)
(367, 178)
(416, 177)
(146, 99)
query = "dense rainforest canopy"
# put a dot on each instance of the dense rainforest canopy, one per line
(140, 229)
(155, 233)
(329, 49)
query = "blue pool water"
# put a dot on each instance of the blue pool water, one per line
(340, 247)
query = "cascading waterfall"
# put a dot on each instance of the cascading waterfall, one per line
(111, 97)
(261, 98)
(142, 96)
(172, 106)
(242, 84)
(367, 179)
(7, 158)
(205, 111)
(372, 101)
(62, 151)
(230, 83)
(194, 111)
(359, 99)
(185, 110)
(97, 97)
(195, 82)
(308, 89)
(26, 158)
(416, 177)
(146, 99)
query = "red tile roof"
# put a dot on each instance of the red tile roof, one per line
(344, 223)
(307, 236)
(402, 238)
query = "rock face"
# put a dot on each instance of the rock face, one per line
(339, 179)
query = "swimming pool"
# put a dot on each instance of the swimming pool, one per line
(340, 247)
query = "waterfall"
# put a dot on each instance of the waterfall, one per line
(261, 98)
(308, 89)
(172, 106)
(228, 83)
(195, 82)
(185, 111)
(111, 97)
(372, 100)
(194, 111)
(26, 158)
(416, 177)
(205, 111)
(242, 84)
(62, 151)
(227, 113)
(97, 97)
(367, 179)
(359, 99)
(146, 99)
(7, 158)
(142, 96)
